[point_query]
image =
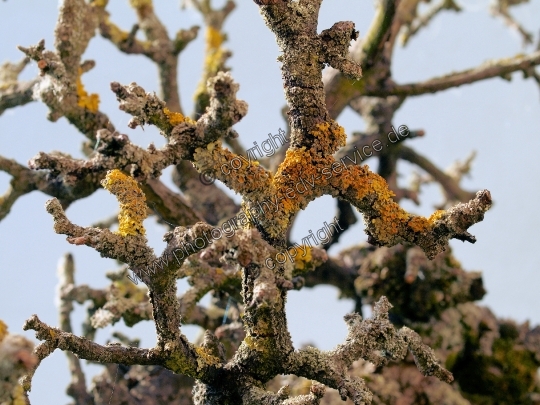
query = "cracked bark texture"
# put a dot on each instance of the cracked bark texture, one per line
(425, 331)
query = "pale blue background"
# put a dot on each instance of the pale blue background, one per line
(499, 119)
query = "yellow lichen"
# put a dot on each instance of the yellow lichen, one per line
(254, 343)
(214, 38)
(3, 330)
(116, 34)
(213, 58)
(88, 101)
(214, 52)
(421, 224)
(127, 289)
(132, 202)
(205, 358)
(138, 4)
(18, 395)
(176, 118)
(300, 169)
(388, 219)
(436, 216)
(300, 261)
(177, 363)
(298, 165)
(100, 3)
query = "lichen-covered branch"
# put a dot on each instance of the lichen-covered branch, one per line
(158, 46)
(304, 55)
(129, 245)
(214, 205)
(234, 265)
(199, 141)
(88, 350)
(129, 249)
(215, 54)
(375, 340)
(450, 184)
(61, 87)
(500, 8)
(116, 151)
(413, 22)
(23, 182)
(254, 395)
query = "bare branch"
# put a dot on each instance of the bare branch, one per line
(496, 68)
(77, 387)
(12, 92)
(158, 46)
(414, 25)
(500, 8)
(449, 184)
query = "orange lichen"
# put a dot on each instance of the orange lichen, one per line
(132, 202)
(297, 182)
(301, 261)
(387, 220)
(305, 175)
(88, 101)
(391, 215)
(421, 224)
(3, 330)
(307, 164)
(387, 217)
(330, 136)
(176, 118)
(298, 167)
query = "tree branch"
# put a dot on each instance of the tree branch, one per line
(496, 68)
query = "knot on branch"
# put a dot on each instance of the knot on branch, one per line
(224, 110)
(111, 143)
(145, 108)
(335, 48)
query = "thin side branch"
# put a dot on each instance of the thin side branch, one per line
(496, 68)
